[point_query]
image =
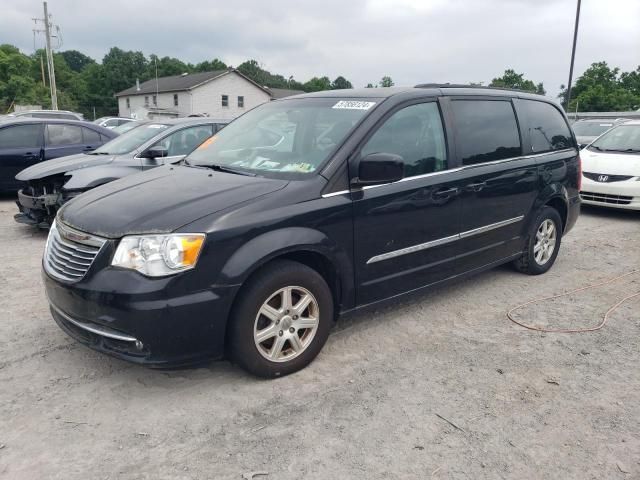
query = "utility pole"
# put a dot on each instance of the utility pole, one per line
(573, 53)
(52, 73)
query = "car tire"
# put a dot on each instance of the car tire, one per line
(271, 331)
(543, 243)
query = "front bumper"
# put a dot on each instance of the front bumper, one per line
(622, 195)
(135, 318)
(36, 210)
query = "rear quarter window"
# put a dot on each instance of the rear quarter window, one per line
(547, 128)
(486, 130)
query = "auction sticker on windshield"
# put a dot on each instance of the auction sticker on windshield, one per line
(354, 105)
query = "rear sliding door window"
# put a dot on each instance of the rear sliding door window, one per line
(547, 128)
(486, 130)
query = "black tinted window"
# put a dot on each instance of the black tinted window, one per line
(62, 134)
(415, 133)
(90, 136)
(486, 130)
(19, 136)
(547, 128)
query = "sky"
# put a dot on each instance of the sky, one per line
(413, 41)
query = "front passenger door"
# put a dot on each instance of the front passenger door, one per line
(405, 232)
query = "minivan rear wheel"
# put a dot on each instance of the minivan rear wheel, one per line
(543, 243)
(282, 319)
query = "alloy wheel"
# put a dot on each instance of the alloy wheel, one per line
(545, 245)
(286, 324)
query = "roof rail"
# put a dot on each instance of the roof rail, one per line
(461, 85)
(444, 85)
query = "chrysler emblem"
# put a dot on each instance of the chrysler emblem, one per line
(603, 178)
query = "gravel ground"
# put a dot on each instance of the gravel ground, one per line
(438, 386)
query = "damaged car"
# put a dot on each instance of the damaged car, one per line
(51, 184)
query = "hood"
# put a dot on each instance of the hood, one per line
(161, 200)
(62, 165)
(610, 163)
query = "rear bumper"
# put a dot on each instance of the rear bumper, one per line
(128, 316)
(573, 212)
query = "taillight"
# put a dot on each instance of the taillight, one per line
(579, 173)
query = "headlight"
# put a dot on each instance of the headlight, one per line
(159, 255)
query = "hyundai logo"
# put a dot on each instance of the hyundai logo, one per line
(603, 178)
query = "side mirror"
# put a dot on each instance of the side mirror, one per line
(155, 152)
(377, 168)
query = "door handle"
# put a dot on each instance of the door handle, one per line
(475, 187)
(31, 156)
(446, 193)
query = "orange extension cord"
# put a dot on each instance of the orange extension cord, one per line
(571, 330)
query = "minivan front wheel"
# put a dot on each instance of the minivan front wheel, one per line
(282, 319)
(543, 243)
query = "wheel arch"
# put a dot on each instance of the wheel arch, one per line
(555, 196)
(307, 246)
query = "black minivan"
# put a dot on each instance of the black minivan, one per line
(306, 208)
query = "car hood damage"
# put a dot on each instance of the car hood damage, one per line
(62, 165)
(161, 200)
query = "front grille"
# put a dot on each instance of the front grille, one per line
(604, 178)
(69, 253)
(605, 198)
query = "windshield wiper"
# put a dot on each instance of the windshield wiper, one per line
(97, 153)
(625, 150)
(223, 168)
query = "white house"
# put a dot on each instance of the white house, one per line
(223, 94)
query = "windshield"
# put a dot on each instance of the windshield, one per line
(591, 129)
(129, 141)
(125, 127)
(624, 138)
(283, 139)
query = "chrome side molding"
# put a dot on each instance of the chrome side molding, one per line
(443, 241)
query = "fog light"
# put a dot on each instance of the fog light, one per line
(139, 345)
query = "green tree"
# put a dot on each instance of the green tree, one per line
(76, 60)
(602, 88)
(166, 66)
(210, 66)
(516, 81)
(341, 83)
(386, 82)
(369, 85)
(317, 84)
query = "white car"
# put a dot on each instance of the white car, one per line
(611, 168)
(112, 122)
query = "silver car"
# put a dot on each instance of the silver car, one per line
(589, 129)
(50, 184)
